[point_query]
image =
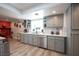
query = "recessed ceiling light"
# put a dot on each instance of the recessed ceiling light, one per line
(36, 13)
(53, 12)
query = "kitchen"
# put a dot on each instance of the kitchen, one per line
(45, 29)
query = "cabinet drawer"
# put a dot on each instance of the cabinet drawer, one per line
(50, 37)
(60, 38)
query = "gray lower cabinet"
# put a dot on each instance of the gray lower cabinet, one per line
(51, 43)
(56, 43)
(59, 44)
(34, 40)
(30, 39)
(38, 40)
(4, 49)
(26, 38)
(22, 38)
(41, 41)
(1, 50)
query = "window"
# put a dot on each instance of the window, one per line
(37, 21)
(37, 25)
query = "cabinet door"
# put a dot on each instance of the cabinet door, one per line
(1, 50)
(30, 39)
(59, 21)
(22, 38)
(6, 50)
(75, 16)
(59, 44)
(50, 22)
(26, 38)
(40, 41)
(51, 43)
(75, 44)
(54, 21)
(33, 39)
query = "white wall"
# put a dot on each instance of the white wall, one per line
(16, 30)
(48, 30)
(65, 25)
(67, 21)
(37, 24)
(67, 29)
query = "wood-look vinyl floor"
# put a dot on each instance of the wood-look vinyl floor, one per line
(20, 49)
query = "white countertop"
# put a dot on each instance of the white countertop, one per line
(45, 34)
(1, 38)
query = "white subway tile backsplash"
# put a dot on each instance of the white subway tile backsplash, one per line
(48, 30)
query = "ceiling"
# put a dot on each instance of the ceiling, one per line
(60, 9)
(23, 10)
(24, 6)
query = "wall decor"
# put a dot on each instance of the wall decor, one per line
(19, 26)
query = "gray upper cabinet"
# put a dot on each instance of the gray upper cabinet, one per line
(53, 21)
(75, 16)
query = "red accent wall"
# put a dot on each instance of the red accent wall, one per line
(5, 29)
